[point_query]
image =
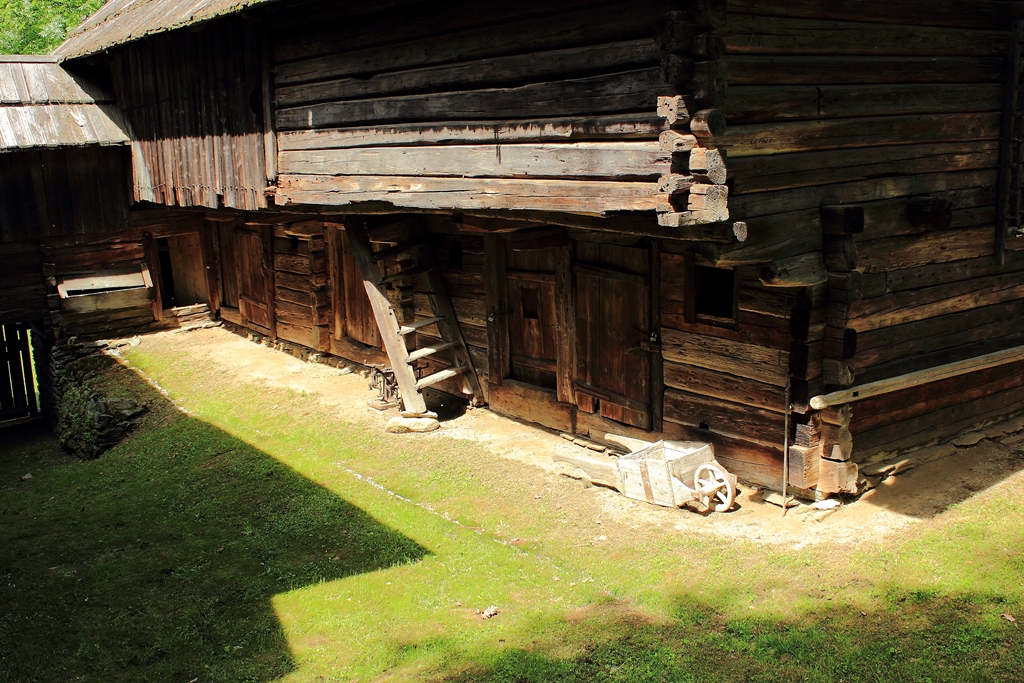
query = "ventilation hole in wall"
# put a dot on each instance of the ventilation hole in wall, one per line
(254, 102)
(530, 299)
(455, 254)
(293, 245)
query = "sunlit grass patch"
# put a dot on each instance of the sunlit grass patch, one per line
(261, 537)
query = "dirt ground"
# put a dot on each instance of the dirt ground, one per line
(925, 488)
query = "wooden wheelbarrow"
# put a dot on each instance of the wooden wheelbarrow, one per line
(660, 473)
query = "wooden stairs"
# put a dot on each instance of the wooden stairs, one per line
(407, 237)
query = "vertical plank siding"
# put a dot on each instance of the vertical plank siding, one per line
(193, 100)
(52, 193)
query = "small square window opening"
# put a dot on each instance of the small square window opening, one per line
(716, 292)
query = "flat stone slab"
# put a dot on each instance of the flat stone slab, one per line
(407, 425)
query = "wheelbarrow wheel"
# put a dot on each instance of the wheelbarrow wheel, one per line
(714, 488)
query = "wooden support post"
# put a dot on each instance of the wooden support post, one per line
(336, 277)
(657, 361)
(803, 466)
(496, 295)
(565, 320)
(211, 265)
(269, 137)
(152, 253)
(267, 236)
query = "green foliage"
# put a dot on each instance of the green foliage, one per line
(30, 27)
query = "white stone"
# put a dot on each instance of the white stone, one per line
(405, 425)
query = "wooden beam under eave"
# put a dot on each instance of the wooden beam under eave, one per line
(592, 198)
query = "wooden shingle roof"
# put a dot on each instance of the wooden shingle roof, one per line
(122, 21)
(42, 105)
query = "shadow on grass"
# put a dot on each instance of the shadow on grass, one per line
(919, 638)
(158, 561)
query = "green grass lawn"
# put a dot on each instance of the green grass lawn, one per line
(237, 543)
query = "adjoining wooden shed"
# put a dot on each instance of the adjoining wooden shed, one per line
(679, 219)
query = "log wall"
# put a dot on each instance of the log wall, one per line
(893, 112)
(301, 304)
(468, 106)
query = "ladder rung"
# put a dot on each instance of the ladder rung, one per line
(439, 377)
(408, 272)
(419, 324)
(379, 256)
(430, 350)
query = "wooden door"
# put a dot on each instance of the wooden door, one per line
(228, 257)
(532, 327)
(188, 273)
(253, 279)
(360, 323)
(17, 386)
(614, 332)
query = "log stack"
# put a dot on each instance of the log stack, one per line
(301, 305)
(692, 64)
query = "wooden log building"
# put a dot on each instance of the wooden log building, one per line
(772, 225)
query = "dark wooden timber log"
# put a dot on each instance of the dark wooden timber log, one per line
(842, 220)
(707, 124)
(591, 95)
(799, 271)
(934, 213)
(709, 83)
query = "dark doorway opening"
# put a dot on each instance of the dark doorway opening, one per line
(17, 374)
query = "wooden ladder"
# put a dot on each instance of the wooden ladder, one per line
(409, 237)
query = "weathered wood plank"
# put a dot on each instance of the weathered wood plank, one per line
(750, 34)
(805, 169)
(761, 427)
(589, 26)
(802, 136)
(495, 71)
(920, 377)
(903, 307)
(911, 251)
(988, 14)
(551, 160)
(626, 91)
(707, 382)
(724, 355)
(765, 203)
(618, 126)
(789, 70)
(468, 194)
